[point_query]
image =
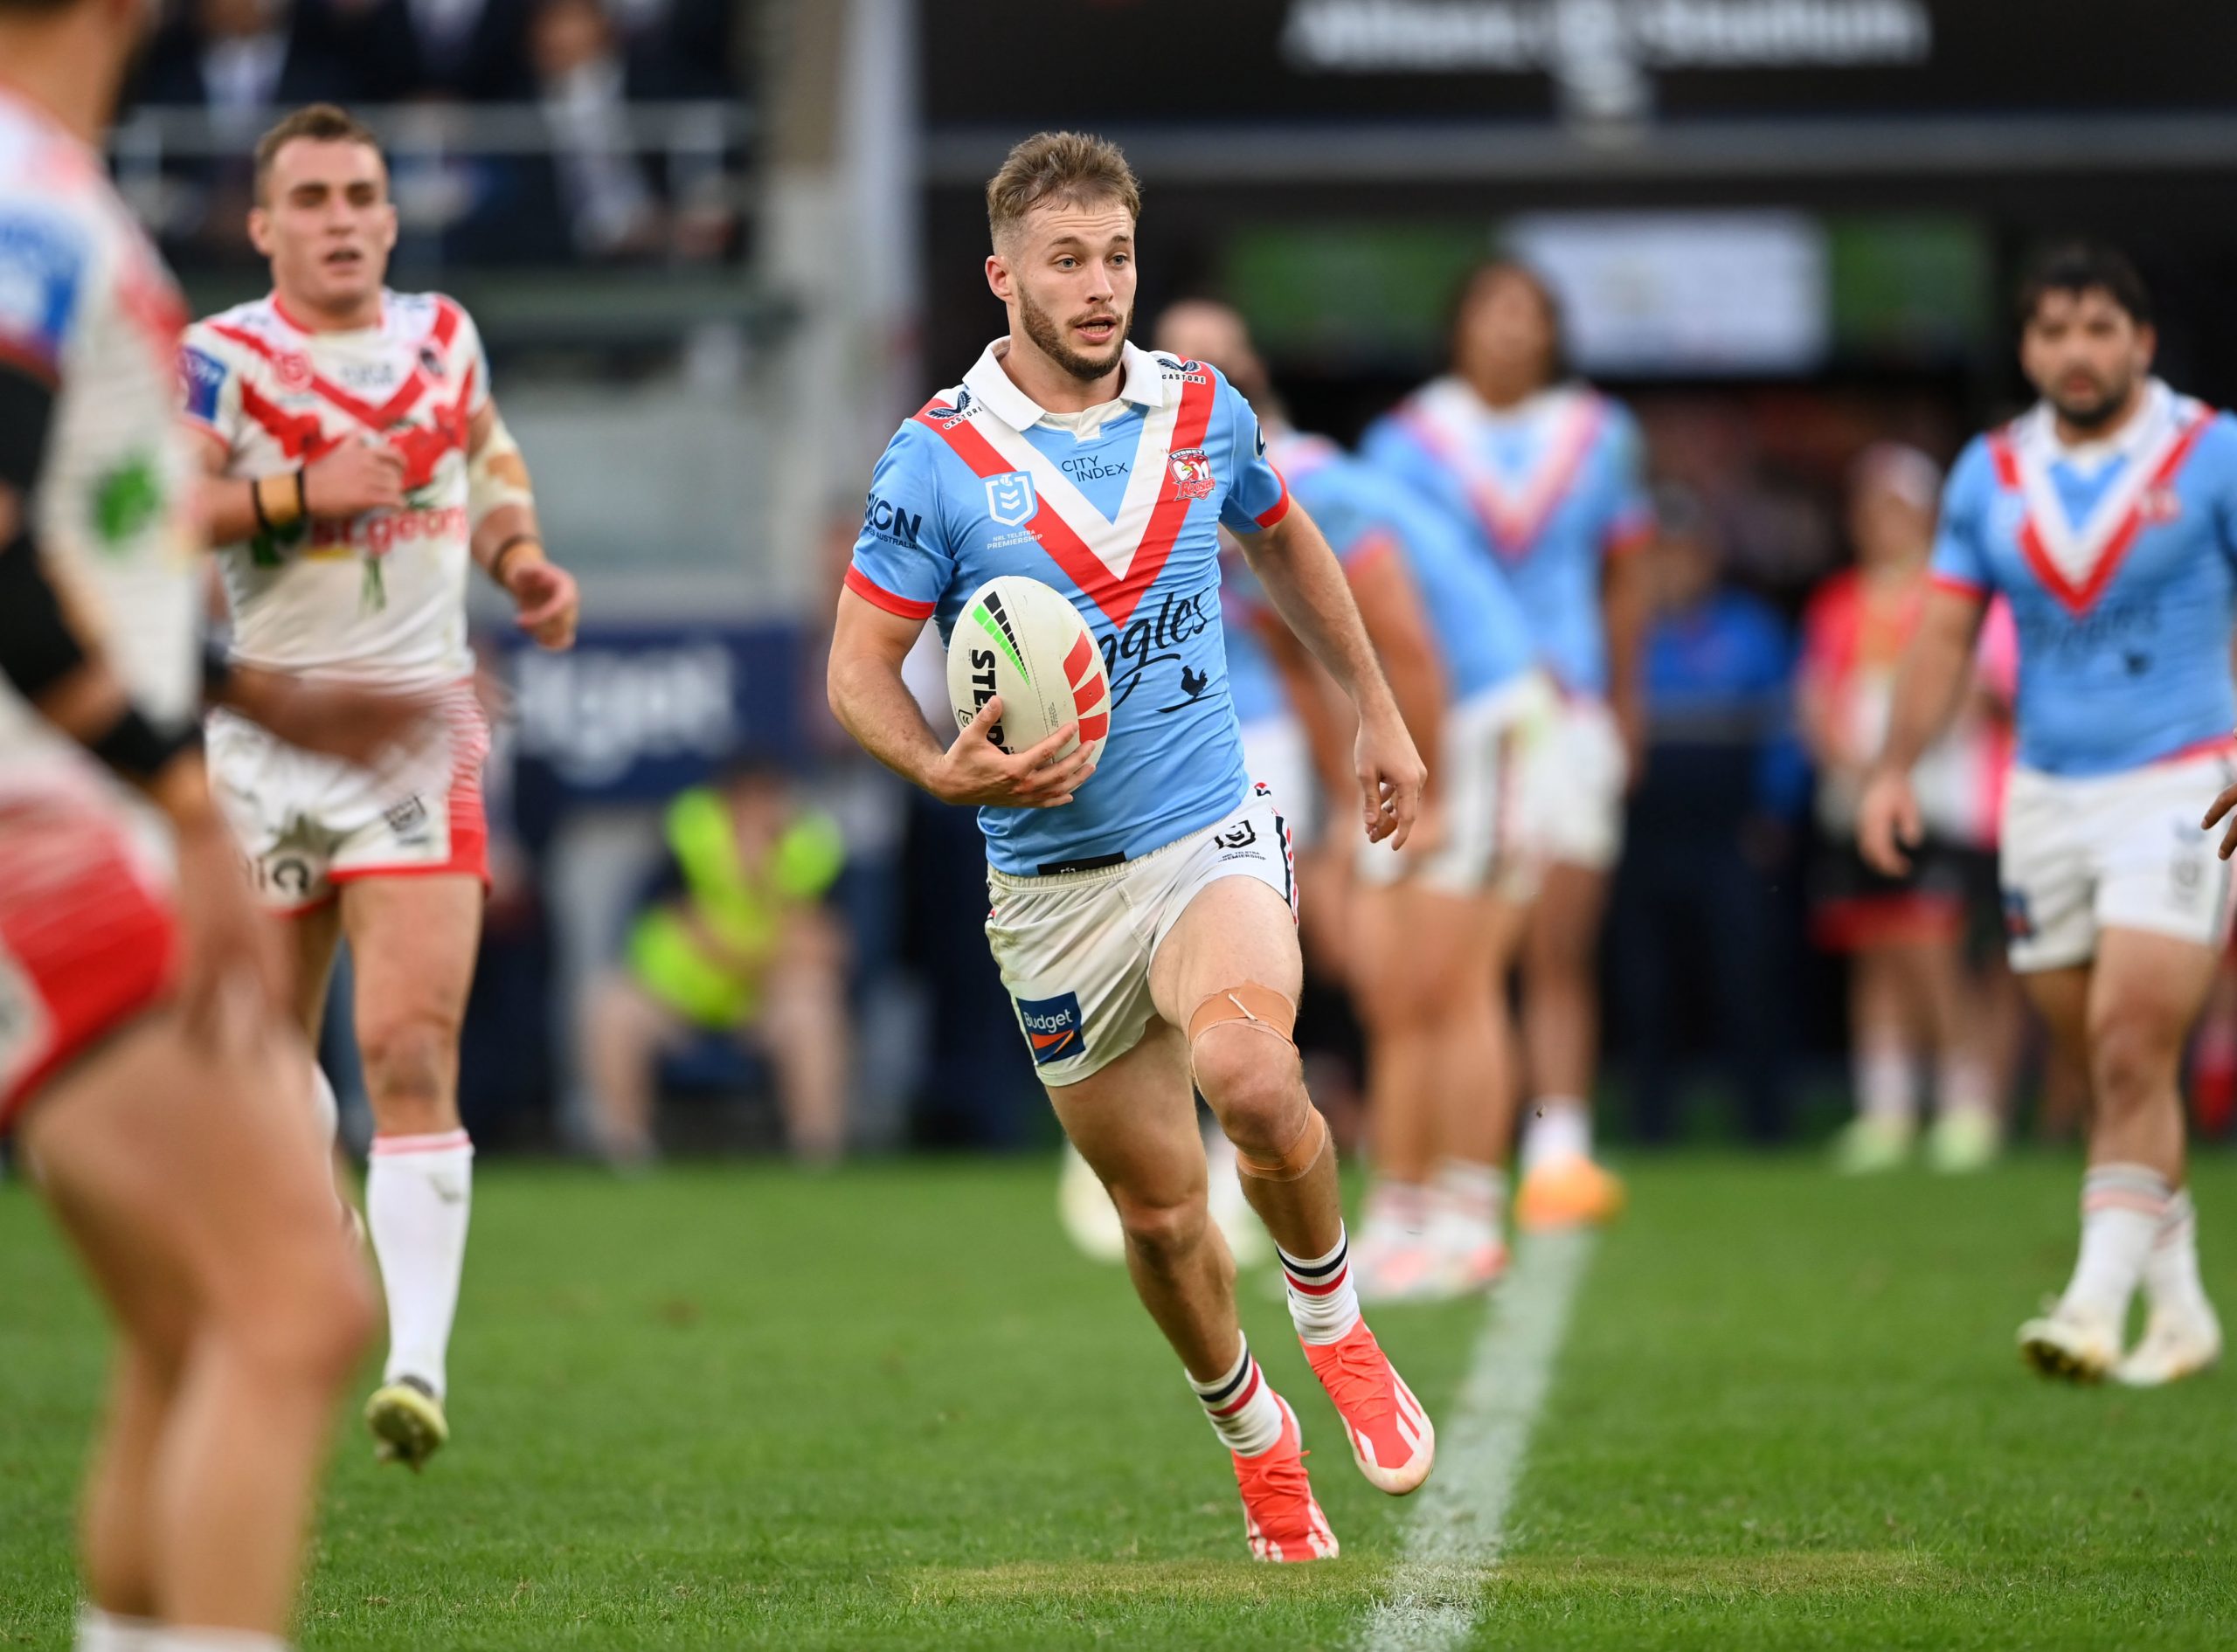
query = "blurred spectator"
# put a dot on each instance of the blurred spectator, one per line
(733, 941)
(583, 83)
(1709, 831)
(472, 51)
(239, 59)
(1915, 1001)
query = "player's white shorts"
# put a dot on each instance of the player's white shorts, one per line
(309, 822)
(1278, 754)
(1573, 779)
(1474, 776)
(1075, 947)
(2117, 850)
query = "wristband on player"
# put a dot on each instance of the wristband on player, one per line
(505, 548)
(137, 750)
(294, 502)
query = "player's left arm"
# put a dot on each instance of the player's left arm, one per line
(1306, 586)
(507, 541)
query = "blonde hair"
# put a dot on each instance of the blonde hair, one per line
(1075, 168)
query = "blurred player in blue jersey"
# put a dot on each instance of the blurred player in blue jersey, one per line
(1543, 473)
(2107, 516)
(1431, 936)
(1142, 907)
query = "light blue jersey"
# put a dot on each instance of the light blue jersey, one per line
(1545, 492)
(2120, 562)
(1119, 508)
(1482, 639)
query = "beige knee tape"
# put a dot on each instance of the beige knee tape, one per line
(1304, 1153)
(1248, 1004)
(1253, 1005)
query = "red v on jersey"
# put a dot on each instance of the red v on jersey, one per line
(2075, 566)
(1115, 590)
(1511, 517)
(406, 397)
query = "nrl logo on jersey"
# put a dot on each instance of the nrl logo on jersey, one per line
(292, 369)
(1192, 474)
(1010, 498)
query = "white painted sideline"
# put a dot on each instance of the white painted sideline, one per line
(1428, 1604)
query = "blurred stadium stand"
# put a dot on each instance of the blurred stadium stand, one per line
(718, 247)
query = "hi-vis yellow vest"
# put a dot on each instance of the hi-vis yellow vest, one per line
(663, 953)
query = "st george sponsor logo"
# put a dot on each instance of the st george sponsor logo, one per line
(381, 531)
(1053, 1027)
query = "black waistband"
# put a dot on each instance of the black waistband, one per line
(1091, 863)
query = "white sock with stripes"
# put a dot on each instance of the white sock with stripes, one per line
(419, 1193)
(2170, 1270)
(2122, 1207)
(1241, 1407)
(1323, 1305)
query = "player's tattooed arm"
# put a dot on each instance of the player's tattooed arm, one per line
(1934, 678)
(1306, 585)
(872, 704)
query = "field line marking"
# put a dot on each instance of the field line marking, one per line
(1428, 1604)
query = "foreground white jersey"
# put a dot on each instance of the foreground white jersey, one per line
(86, 303)
(382, 596)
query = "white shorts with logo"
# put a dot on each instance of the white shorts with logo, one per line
(1278, 754)
(1473, 776)
(308, 823)
(1573, 780)
(2117, 850)
(1075, 947)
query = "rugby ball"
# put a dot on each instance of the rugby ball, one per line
(1024, 640)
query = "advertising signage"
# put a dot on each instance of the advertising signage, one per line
(1292, 61)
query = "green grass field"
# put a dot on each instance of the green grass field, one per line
(890, 1408)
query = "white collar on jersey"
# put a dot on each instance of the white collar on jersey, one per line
(2037, 433)
(1144, 384)
(1455, 397)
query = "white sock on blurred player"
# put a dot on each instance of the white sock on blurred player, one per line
(172, 1638)
(1471, 1199)
(2122, 1208)
(1324, 1305)
(1964, 1084)
(1560, 1127)
(1887, 1082)
(2171, 1268)
(99, 1631)
(418, 1191)
(1241, 1407)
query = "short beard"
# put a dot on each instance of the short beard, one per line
(2095, 415)
(1049, 341)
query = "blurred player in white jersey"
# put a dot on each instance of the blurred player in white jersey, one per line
(2107, 516)
(1544, 474)
(1144, 901)
(149, 1068)
(359, 470)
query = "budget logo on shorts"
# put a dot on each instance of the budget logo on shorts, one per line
(1010, 499)
(1052, 1026)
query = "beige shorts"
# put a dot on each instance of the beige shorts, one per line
(1473, 774)
(309, 822)
(1573, 781)
(2112, 852)
(1075, 947)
